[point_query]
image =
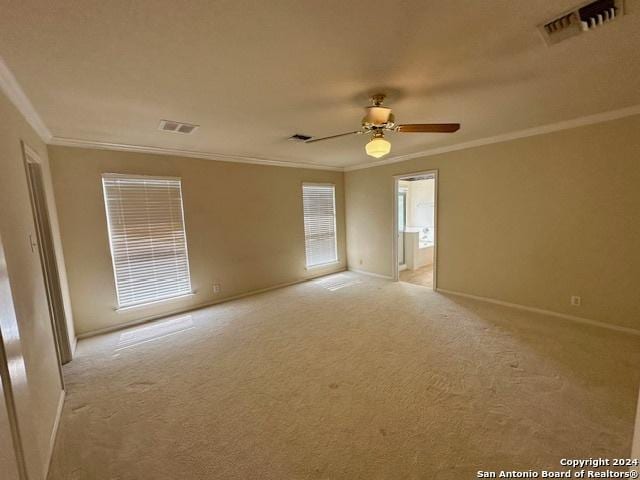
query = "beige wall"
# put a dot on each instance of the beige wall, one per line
(243, 222)
(29, 336)
(530, 221)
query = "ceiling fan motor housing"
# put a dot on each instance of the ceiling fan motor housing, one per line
(378, 120)
(377, 117)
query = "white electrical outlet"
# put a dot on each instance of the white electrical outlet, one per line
(216, 288)
(575, 300)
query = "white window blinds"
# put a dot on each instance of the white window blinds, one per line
(147, 237)
(319, 203)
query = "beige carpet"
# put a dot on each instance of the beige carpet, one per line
(420, 276)
(345, 378)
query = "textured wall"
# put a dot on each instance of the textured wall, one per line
(243, 222)
(530, 221)
(30, 345)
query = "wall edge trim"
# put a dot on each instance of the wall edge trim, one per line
(370, 274)
(505, 137)
(54, 432)
(573, 318)
(178, 311)
(221, 157)
(10, 86)
(12, 89)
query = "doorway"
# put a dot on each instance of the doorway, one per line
(46, 250)
(415, 229)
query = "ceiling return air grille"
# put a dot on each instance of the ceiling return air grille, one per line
(581, 19)
(177, 127)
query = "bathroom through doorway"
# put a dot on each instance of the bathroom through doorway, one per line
(415, 229)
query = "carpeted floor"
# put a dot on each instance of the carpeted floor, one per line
(348, 377)
(420, 276)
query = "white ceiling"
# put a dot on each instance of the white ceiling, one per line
(252, 73)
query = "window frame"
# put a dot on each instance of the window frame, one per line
(336, 260)
(119, 307)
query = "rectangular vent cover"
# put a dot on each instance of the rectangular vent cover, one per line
(177, 127)
(581, 19)
(299, 137)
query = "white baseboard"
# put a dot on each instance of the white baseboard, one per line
(573, 318)
(371, 274)
(54, 433)
(151, 318)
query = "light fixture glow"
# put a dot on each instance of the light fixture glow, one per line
(378, 147)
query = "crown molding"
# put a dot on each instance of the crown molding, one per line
(11, 88)
(74, 142)
(530, 132)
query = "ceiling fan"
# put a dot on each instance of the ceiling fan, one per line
(379, 119)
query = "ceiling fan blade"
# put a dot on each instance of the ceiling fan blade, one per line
(428, 128)
(357, 132)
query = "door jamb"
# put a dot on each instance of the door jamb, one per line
(395, 273)
(46, 252)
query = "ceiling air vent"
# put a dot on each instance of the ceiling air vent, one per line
(298, 137)
(177, 127)
(581, 19)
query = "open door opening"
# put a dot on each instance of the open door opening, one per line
(415, 229)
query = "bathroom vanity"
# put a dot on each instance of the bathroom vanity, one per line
(418, 248)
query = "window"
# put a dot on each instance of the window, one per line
(147, 237)
(319, 203)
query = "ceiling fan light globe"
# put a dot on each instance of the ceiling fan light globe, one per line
(378, 147)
